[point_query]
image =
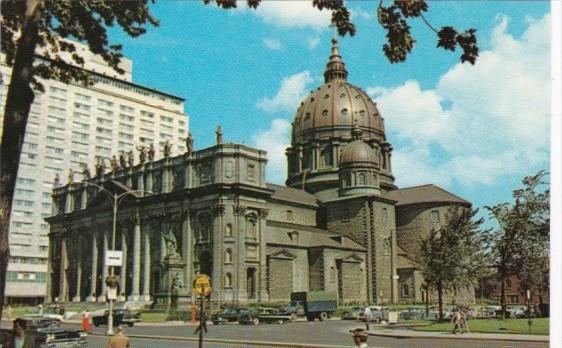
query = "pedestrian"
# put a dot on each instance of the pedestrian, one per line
(85, 324)
(368, 316)
(464, 321)
(10, 312)
(40, 309)
(19, 333)
(360, 337)
(456, 320)
(119, 340)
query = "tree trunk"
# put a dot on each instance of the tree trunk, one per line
(440, 299)
(18, 102)
(502, 295)
(426, 301)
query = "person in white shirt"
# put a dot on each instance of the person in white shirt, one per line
(368, 317)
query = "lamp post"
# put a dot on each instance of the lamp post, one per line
(529, 321)
(114, 199)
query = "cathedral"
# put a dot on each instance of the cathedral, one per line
(339, 224)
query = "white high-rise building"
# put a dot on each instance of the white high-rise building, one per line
(70, 124)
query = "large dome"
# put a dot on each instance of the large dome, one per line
(335, 106)
(336, 117)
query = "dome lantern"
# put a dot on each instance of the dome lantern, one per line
(335, 68)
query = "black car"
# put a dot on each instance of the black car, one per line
(120, 316)
(45, 333)
(228, 314)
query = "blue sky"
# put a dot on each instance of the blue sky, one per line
(473, 130)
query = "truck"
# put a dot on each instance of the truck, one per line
(317, 304)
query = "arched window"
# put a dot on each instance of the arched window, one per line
(326, 157)
(204, 227)
(228, 230)
(228, 280)
(290, 215)
(228, 256)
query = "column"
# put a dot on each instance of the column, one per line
(77, 294)
(49, 296)
(63, 293)
(217, 246)
(262, 292)
(105, 269)
(239, 281)
(94, 270)
(136, 259)
(123, 282)
(187, 252)
(146, 270)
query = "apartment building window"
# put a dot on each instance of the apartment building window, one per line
(106, 103)
(125, 135)
(146, 140)
(57, 100)
(105, 112)
(147, 123)
(127, 126)
(167, 127)
(24, 192)
(54, 171)
(25, 181)
(23, 203)
(181, 123)
(57, 90)
(165, 136)
(166, 119)
(54, 160)
(147, 114)
(29, 156)
(126, 118)
(103, 130)
(124, 145)
(54, 140)
(81, 125)
(81, 116)
(55, 119)
(103, 140)
(79, 155)
(181, 131)
(21, 213)
(27, 165)
(46, 205)
(82, 97)
(126, 108)
(46, 195)
(29, 146)
(81, 106)
(103, 150)
(56, 110)
(80, 136)
(104, 121)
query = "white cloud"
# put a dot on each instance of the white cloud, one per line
(272, 44)
(312, 42)
(298, 14)
(292, 90)
(275, 140)
(357, 13)
(479, 122)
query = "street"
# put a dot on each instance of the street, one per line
(330, 333)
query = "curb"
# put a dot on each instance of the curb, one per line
(230, 341)
(439, 335)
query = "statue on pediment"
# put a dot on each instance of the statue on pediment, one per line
(130, 158)
(100, 166)
(151, 152)
(122, 159)
(167, 151)
(85, 171)
(189, 143)
(142, 153)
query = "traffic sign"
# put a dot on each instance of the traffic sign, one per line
(202, 285)
(113, 258)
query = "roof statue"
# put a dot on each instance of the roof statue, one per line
(219, 135)
(151, 152)
(142, 153)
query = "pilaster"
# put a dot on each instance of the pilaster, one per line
(136, 259)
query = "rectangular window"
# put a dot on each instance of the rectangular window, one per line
(126, 108)
(57, 90)
(124, 117)
(105, 103)
(166, 119)
(125, 135)
(81, 106)
(82, 97)
(147, 114)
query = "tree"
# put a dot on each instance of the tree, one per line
(394, 20)
(520, 246)
(454, 256)
(30, 25)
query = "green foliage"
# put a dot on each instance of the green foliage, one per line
(454, 256)
(509, 326)
(520, 246)
(178, 316)
(394, 19)
(84, 21)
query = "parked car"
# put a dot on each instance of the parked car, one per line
(412, 314)
(317, 304)
(379, 313)
(263, 315)
(43, 332)
(352, 313)
(227, 315)
(120, 316)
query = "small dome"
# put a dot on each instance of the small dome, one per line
(358, 152)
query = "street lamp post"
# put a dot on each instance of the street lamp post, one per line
(114, 199)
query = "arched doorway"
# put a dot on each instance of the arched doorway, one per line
(206, 263)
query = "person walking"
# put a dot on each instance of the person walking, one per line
(119, 340)
(10, 312)
(464, 321)
(202, 323)
(368, 317)
(85, 323)
(456, 320)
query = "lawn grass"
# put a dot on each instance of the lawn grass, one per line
(153, 317)
(512, 326)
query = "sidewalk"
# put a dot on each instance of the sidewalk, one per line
(399, 333)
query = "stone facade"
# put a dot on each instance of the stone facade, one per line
(339, 225)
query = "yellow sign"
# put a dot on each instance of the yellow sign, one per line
(202, 285)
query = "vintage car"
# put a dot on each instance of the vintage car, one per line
(352, 314)
(120, 316)
(227, 315)
(264, 315)
(45, 333)
(294, 309)
(379, 313)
